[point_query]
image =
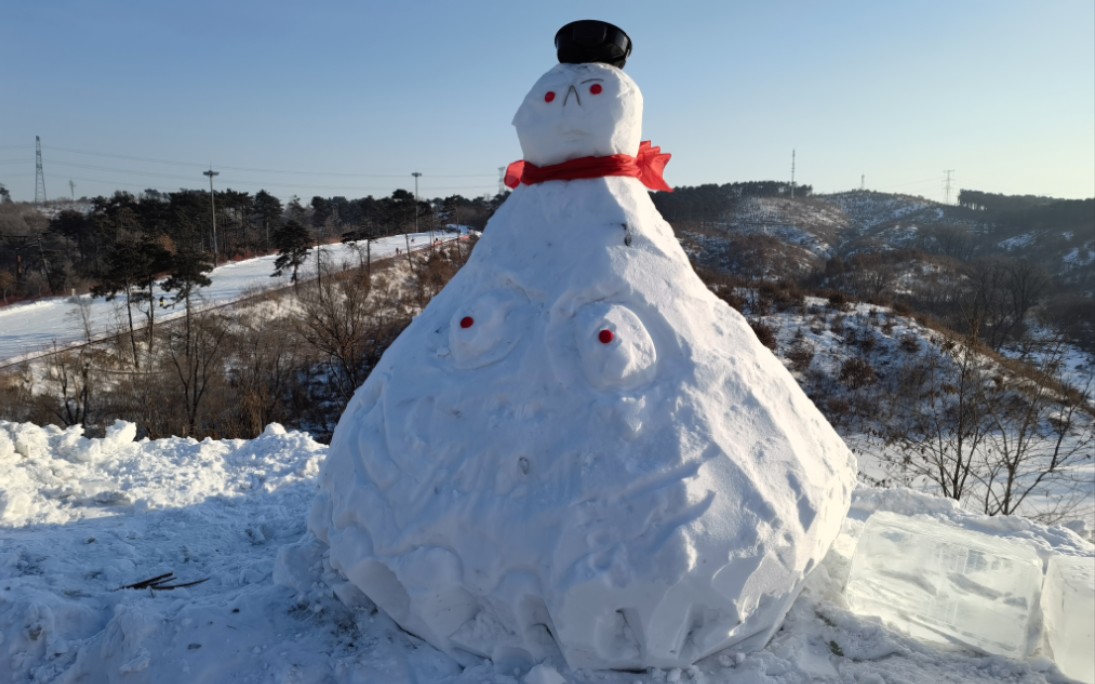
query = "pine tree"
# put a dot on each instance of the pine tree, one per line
(293, 241)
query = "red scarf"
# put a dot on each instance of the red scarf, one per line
(648, 167)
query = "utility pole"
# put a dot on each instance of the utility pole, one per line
(792, 173)
(212, 208)
(39, 175)
(862, 182)
(72, 189)
(418, 175)
(947, 186)
(501, 180)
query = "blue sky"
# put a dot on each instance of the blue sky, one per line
(348, 98)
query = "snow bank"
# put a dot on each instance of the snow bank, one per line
(65, 616)
(53, 476)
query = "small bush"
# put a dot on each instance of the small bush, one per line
(857, 373)
(765, 333)
(801, 355)
(731, 297)
(836, 326)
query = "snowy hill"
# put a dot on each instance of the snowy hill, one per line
(810, 230)
(158, 561)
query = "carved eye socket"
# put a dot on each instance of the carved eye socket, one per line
(596, 89)
(488, 329)
(615, 347)
(549, 96)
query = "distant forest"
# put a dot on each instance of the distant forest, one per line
(107, 244)
(111, 243)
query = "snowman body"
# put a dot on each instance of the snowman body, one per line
(576, 450)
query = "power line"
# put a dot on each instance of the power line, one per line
(283, 195)
(252, 169)
(243, 181)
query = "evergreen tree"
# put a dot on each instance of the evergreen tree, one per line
(188, 269)
(131, 268)
(267, 214)
(292, 241)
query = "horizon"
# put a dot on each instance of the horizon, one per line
(330, 101)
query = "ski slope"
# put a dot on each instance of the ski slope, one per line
(27, 330)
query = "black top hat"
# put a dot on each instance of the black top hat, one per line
(590, 40)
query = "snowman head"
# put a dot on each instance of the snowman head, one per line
(580, 110)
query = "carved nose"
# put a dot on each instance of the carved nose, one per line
(577, 99)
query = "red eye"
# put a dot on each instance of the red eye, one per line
(596, 88)
(467, 322)
(549, 96)
(606, 336)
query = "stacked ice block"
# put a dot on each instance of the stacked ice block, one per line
(941, 583)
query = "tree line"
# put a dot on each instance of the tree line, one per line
(1030, 212)
(712, 202)
(124, 241)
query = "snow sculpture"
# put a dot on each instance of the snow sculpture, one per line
(576, 450)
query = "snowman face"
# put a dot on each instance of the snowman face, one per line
(579, 110)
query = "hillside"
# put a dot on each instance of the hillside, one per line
(845, 224)
(1037, 258)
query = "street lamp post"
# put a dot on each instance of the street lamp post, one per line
(416, 175)
(212, 209)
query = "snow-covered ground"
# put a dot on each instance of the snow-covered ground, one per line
(83, 521)
(30, 329)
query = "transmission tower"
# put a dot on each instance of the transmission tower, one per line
(947, 186)
(39, 175)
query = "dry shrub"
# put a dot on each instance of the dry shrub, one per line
(801, 355)
(765, 333)
(857, 373)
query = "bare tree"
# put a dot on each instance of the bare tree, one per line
(941, 441)
(72, 372)
(264, 361)
(998, 437)
(1040, 430)
(195, 355)
(336, 321)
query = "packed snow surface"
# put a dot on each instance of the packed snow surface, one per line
(576, 449)
(97, 515)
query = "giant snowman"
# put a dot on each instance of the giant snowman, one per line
(576, 451)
